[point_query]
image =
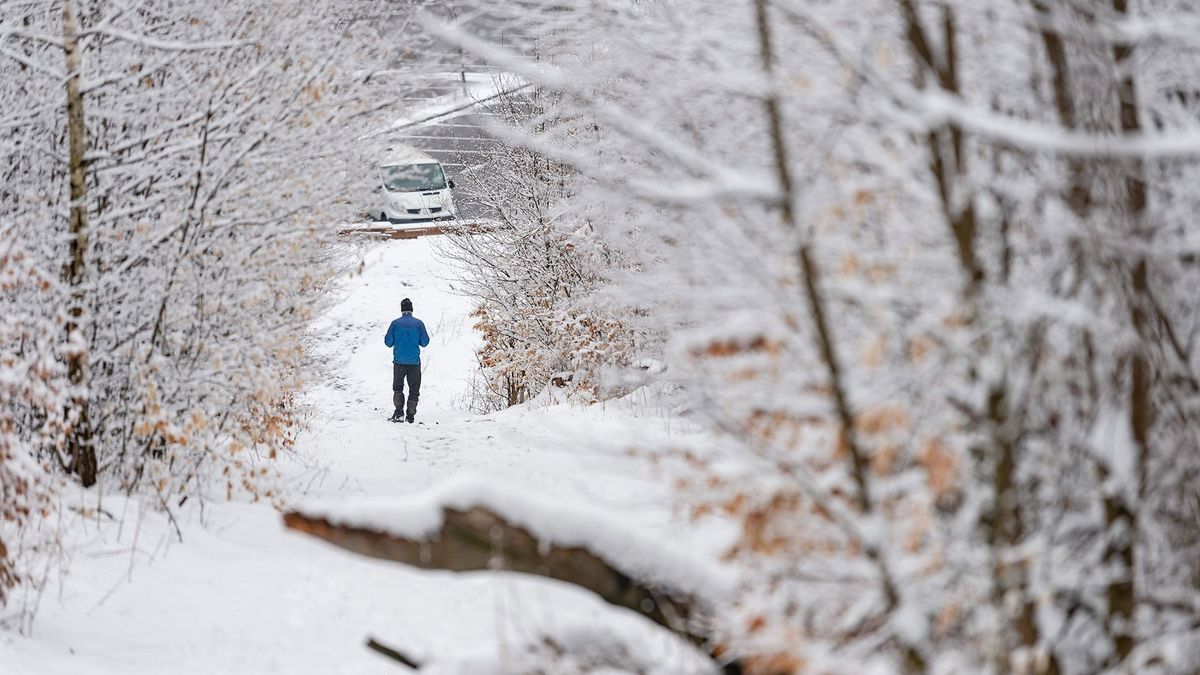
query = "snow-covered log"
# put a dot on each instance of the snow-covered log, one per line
(481, 539)
(469, 525)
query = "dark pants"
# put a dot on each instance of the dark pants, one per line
(400, 373)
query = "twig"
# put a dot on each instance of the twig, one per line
(392, 654)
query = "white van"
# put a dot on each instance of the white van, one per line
(412, 186)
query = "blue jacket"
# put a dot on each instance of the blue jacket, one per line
(406, 336)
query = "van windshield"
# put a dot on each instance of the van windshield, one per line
(414, 177)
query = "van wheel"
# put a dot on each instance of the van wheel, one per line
(382, 217)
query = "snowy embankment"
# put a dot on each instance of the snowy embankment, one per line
(477, 89)
(241, 594)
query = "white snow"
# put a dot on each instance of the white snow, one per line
(241, 594)
(476, 88)
(552, 520)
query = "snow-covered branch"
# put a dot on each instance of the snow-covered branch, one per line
(471, 525)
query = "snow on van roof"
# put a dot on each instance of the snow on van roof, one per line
(403, 154)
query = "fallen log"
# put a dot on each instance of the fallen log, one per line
(473, 527)
(478, 539)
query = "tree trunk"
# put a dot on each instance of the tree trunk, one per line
(1079, 190)
(810, 274)
(79, 441)
(1122, 598)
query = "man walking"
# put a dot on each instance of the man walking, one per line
(406, 336)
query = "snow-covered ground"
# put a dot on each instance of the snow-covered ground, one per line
(241, 594)
(476, 88)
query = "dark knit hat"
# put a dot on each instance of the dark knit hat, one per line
(406, 305)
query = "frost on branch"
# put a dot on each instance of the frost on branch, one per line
(926, 271)
(173, 170)
(196, 248)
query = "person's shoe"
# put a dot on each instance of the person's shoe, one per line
(409, 419)
(396, 416)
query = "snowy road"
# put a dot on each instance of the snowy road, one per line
(243, 595)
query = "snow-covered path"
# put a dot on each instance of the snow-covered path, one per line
(243, 595)
(554, 453)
